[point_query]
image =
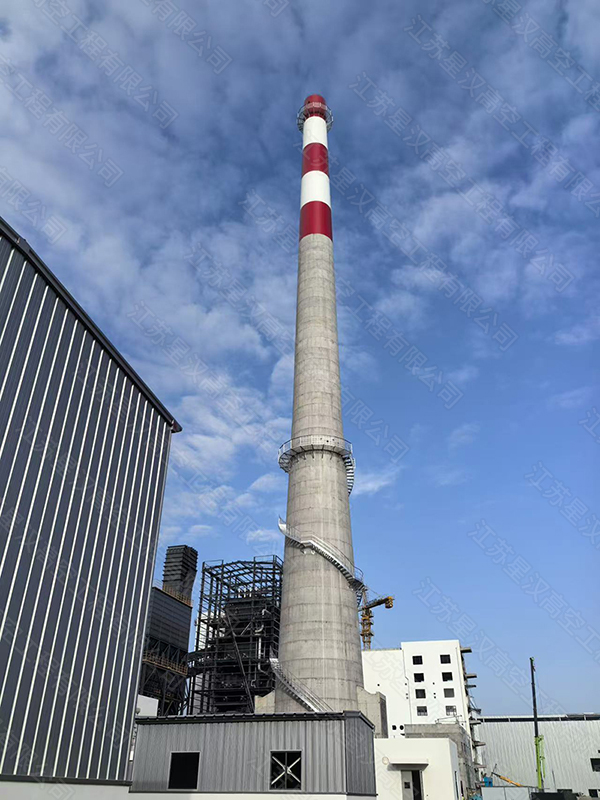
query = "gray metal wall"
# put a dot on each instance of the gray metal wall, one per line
(235, 755)
(83, 456)
(569, 746)
(169, 619)
(360, 757)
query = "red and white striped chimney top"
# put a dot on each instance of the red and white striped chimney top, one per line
(315, 120)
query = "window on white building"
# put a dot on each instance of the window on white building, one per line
(419, 677)
(445, 659)
(417, 659)
(421, 711)
(448, 692)
(446, 676)
(450, 711)
(593, 792)
(420, 694)
(595, 764)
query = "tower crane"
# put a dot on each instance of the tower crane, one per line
(366, 617)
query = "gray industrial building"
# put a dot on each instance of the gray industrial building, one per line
(571, 744)
(84, 448)
(243, 754)
(166, 645)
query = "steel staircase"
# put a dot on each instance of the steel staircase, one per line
(301, 693)
(352, 574)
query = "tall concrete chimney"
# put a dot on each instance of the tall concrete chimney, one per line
(319, 653)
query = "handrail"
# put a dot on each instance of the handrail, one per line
(160, 661)
(356, 573)
(296, 689)
(183, 598)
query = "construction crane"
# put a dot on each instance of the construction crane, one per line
(508, 780)
(540, 761)
(366, 617)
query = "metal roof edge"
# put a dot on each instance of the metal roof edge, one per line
(542, 718)
(235, 717)
(23, 246)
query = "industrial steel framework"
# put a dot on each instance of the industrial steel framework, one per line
(236, 636)
(163, 676)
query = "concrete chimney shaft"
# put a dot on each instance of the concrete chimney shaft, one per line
(319, 637)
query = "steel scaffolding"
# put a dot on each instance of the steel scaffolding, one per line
(237, 632)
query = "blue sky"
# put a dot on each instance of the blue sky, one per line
(168, 185)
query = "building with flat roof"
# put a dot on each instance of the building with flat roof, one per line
(426, 687)
(84, 447)
(571, 748)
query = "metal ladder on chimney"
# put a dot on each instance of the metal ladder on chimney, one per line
(301, 693)
(352, 574)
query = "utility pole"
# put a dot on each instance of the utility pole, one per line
(539, 740)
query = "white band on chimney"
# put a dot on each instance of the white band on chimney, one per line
(315, 186)
(315, 130)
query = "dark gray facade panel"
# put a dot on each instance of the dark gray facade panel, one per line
(118, 486)
(26, 473)
(83, 455)
(169, 619)
(68, 574)
(66, 649)
(128, 700)
(115, 638)
(20, 413)
(44, 506)
(124, 627)
(127, 670)
(360, 757)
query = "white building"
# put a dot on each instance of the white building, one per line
(411, 768)
(426, 687)
(423, 682)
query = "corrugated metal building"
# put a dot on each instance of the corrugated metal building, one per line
(83, 456)
(571, 743)
(242, 753)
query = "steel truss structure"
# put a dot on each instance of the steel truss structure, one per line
(237, 633)
(163, 676)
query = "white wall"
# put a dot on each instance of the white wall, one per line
(384, 672)
(392, 673)
(436, 758)
(55, 791)
(26, 790)
(146, 706)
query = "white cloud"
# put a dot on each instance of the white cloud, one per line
(464, 434)
(369, 483)
(263, 535)
(406, 308)
(443, 475)
(582, 333)
(271, 482)
(575, 398)
(463, 374)
(201, 531)
(417, 432)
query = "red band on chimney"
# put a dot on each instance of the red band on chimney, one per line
(315, 217)
(314, 156)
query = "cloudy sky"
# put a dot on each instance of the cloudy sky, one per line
(150, 155)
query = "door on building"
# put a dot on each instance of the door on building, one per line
(417, 787)
(412, 788)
